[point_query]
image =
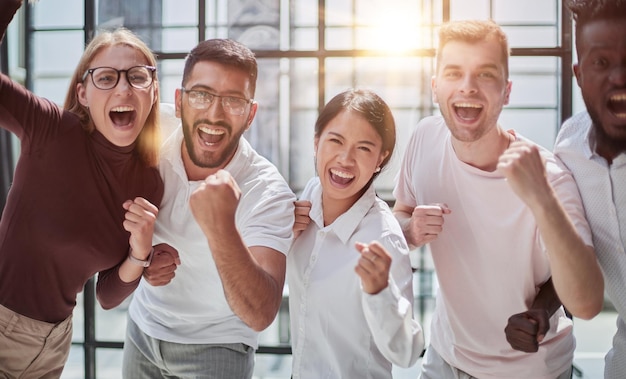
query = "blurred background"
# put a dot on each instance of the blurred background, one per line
(308, 51)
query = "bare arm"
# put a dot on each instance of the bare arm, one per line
(252, 278)
(575, 270)
(526, 330)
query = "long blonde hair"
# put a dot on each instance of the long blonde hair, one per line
(149, 139)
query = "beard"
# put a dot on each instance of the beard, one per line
(607, 142)
(212, 160)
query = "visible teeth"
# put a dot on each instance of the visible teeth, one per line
(620, 115)
(215, 132)
(122, 109)
(341, 174)
(468, 105)
(620, 97)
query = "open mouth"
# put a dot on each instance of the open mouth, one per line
(122, 116)
(210, 136)
(467, 111)
(617, 105)
(340, 177)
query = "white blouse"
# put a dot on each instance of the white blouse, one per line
(337, 330)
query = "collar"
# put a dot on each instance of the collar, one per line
(346, 224)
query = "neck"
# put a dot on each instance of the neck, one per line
(193, 171)
(484, 152)
(607, 147)
(333, 208)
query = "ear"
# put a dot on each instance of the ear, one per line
(433, 89)
(382, 157)
(81, 94)
(507, 92)
(253, 108)
(576, 68)
(178, 98)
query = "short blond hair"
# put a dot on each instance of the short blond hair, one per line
(473, 31)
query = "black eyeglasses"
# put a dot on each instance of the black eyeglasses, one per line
(107, 77)
(236, 106)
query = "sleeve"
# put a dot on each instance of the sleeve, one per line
(8, 8)
(566, 191)
(403, 191)
(21, 111)
(269, 217)
(389, 313)
(111, 291)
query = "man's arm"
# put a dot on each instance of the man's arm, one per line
(252, 278)
(421, 224)
(575, 270)
(524, 331)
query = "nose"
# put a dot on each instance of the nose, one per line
(216, 108)
(618, 74)
(346, 155)
(468, 85)
(122, 83)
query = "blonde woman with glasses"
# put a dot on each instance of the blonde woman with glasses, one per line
(84, 197)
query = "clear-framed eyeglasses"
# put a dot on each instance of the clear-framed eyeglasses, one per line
(107, 77)
(197, 99)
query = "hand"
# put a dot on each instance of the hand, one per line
(373, 267)
(525, 171)
(526, 330)
(162, 269)
(214, 203)
(426, 223)
(139, 221)
(302, 220)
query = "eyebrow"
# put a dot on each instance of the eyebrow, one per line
(491, 66)
(204, 87)
(366, 142)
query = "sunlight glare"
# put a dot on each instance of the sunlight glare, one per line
(394, 32)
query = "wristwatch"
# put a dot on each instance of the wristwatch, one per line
(138, 261)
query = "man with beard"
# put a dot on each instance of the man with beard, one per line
(592, 144)
(224, 229)
(507, 242)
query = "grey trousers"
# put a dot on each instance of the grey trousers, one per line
(147, 357)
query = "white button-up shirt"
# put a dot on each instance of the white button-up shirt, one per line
(337, 330)
(603, 190)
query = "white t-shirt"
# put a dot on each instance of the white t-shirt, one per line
(192, 308)
(489, 259)
(603, 190)
(337, 330)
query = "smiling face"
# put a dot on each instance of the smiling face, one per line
(471, 87)
(121, 112)
(348, 152)
(212, 135)
(601, 75)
